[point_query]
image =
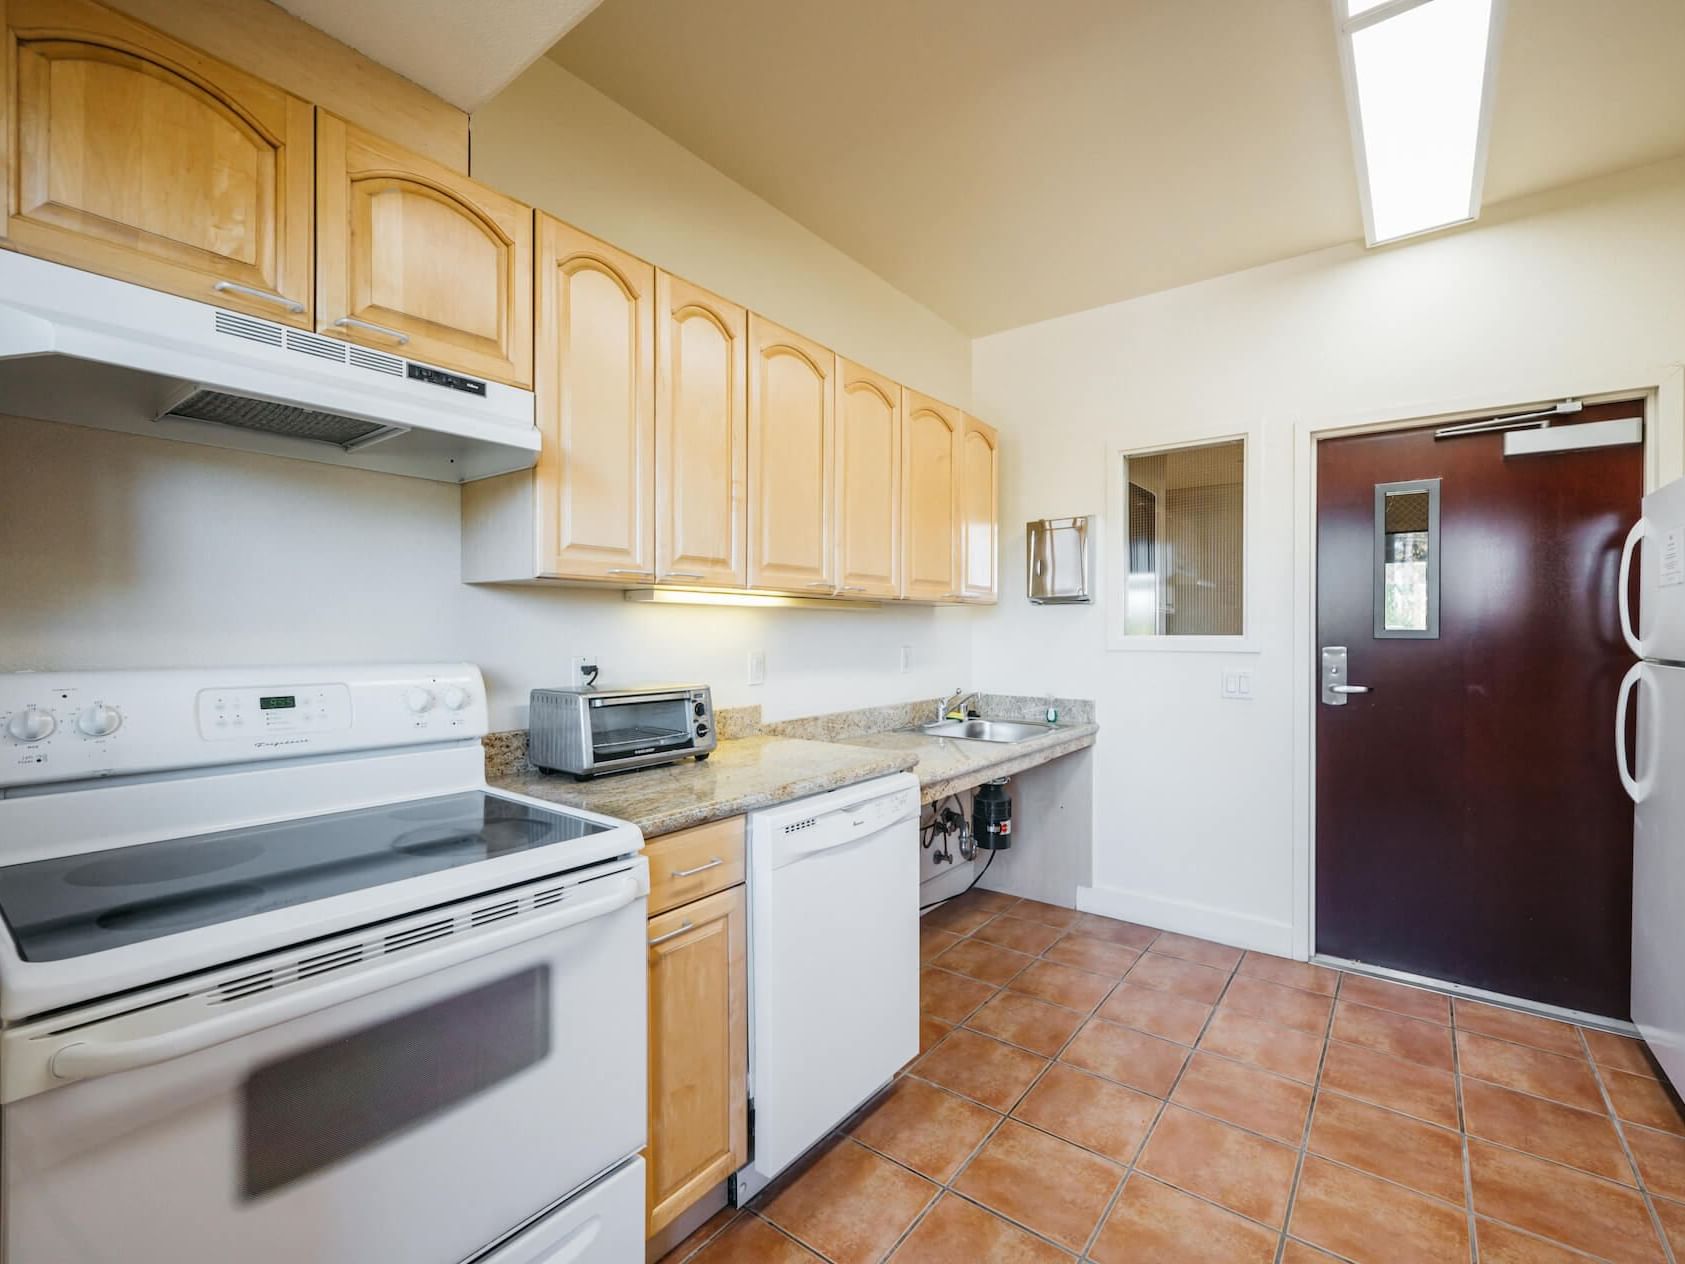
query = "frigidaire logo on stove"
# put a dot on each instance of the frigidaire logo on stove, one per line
(291, 741)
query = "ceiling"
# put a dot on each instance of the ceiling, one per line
(426, 40)
(1003, 170)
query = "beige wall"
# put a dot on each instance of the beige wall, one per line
(558, 143)
(1202, 825)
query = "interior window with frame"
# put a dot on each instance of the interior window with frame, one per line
(1184, 536)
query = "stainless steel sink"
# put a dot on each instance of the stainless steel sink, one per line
(987, 730)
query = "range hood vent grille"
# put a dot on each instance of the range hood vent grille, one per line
(223, 409)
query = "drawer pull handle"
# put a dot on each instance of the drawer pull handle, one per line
(681, 575)
(280, 300)
(673, 934)
(628, 570)
(351, 322)
(715, 863)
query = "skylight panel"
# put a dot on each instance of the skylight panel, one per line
(1419, 79)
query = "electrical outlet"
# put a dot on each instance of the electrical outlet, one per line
(906, 658)
(757, 667)
(582, 667)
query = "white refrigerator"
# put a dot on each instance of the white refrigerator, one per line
(1652, 772)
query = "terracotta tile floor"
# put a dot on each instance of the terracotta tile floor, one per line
(1091, 1088)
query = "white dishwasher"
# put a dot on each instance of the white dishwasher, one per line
(833, 962)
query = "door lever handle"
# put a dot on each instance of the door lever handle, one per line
(1348, 688)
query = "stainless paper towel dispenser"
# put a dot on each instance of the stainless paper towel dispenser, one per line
(1057, 561)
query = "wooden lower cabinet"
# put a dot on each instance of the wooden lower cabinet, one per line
(698, 1051)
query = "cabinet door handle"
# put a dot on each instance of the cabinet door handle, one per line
(681, 575)
(852, 588)
(351, 322)
(672, 934)
(628, 570)
(266, 296)
(823, 583)
(715, 863)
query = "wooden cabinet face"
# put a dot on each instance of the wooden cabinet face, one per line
(868, 483)
(792, 446)
(929, 478)
(979, 511)
(701, 435)
(418, 260)
(139, 158)
(698, 1051)
(596, 410)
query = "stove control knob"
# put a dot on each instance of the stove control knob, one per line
(456, 698)
(30, 724)
(418, 700)
(98, 720)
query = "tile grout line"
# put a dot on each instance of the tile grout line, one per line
(1310, 1119)
(1164, 1103)
(1463, 1137)
(1656, 1225)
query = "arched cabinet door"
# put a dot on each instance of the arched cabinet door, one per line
(930, 499)
(418, 260)
(137, 157)
(595, 402)
(979, 511)
(792, 461)
(868, 483)
(701, 435)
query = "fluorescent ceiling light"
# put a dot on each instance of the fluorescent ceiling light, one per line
(1419, 78)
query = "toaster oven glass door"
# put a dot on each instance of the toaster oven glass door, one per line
(645, 725)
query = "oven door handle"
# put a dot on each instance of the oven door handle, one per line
(86, 1059)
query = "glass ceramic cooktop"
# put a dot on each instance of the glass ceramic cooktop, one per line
(74, 905)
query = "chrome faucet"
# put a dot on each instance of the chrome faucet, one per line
(955, 701)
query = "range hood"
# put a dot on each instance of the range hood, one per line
(91, 351)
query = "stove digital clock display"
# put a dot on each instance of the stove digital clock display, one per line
(278, 702)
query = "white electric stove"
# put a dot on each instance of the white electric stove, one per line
(282, 979)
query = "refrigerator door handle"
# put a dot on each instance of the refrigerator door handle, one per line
(1637, 789)
(1640, 529)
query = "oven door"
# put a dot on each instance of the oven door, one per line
(638, 726)
(438, 1098)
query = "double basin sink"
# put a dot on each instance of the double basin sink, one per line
(987, 730)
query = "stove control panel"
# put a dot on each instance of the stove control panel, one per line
(69, 726)
(237, 714)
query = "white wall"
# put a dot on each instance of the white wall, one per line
(553, 140)
(122, 552)
(1195, 810)
(161, 553)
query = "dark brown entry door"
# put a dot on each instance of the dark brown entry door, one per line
(1469, 822)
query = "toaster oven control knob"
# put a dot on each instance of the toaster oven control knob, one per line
(418, 700)
(98, 720)
(700, 710)
(456, 698)
(30, 724)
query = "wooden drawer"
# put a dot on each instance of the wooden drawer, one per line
(692, 863)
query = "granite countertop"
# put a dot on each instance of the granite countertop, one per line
(757, 765)
(741, 774)
(948, 765)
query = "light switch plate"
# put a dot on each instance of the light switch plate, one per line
(906, 658)
(1237, 686)
(757, 667)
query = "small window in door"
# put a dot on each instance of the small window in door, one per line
(1184, 541)
(1407, 559)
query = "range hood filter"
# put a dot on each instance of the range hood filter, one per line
(267, 417)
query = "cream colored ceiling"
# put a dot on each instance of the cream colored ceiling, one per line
(1005, 161)
(462, 50)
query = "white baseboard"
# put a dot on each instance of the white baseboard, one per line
(1239, 930)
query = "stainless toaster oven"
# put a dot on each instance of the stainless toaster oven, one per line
(589, 732)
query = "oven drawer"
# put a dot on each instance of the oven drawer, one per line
(418, 1121)
(602, 1224)
(692, 863)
